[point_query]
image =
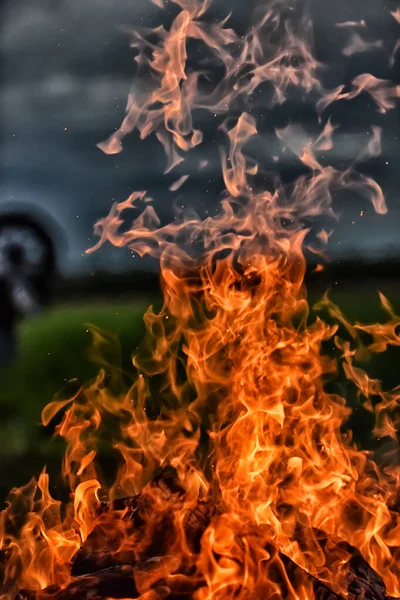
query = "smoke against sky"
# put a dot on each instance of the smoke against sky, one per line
(67, 71)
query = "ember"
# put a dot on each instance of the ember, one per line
(237, 476)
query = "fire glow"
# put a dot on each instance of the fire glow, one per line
(241, 478)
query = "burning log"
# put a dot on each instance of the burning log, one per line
(98, 553)
(100, 571)
(120, 582)
(115, 582)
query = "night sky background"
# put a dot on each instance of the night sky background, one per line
(66, 72)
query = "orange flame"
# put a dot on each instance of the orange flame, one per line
(240, 411)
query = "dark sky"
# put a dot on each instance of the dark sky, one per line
(66, 72)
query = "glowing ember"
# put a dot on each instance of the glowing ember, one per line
(270, 492)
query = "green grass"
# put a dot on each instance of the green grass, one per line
(53, 350)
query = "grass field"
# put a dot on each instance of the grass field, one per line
(53, 350)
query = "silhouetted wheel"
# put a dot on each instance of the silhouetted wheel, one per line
(27, 254)
(27, 263)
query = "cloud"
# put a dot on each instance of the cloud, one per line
(81, 103)
(68, 27)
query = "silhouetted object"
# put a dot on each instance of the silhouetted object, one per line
(27, 265)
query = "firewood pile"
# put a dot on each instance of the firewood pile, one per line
(101, 571)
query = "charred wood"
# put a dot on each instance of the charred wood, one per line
(101, 570)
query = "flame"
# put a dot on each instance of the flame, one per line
(396, 14)
(178, 183)
(229, 387)
(356, 44)
(374, 145)
(351, 24)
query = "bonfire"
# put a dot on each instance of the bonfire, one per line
(236, 475)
